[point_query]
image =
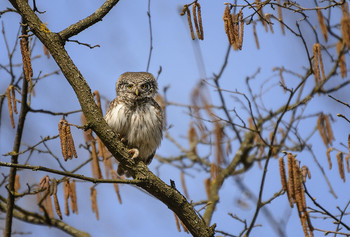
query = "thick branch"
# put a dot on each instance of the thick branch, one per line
(88, 21)
(151, 183)
(240, 157)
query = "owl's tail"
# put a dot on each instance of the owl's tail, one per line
(121, 171)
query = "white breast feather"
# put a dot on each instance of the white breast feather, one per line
(117, 120)
(143, 130)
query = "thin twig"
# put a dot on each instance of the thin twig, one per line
(216, 81)
(259, 202)
(83, 24)
(69, 174)
(150, 35)
(324, 210)
(14, 159)
(85, 44)
(339, 101)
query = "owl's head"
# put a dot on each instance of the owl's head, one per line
(136, 85)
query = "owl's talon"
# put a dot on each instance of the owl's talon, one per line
(135, 153)
(122, 139)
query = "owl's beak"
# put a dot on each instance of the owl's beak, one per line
(137, 92)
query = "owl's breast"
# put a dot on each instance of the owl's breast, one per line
(145, 131)
(141, 126)
(117, 118)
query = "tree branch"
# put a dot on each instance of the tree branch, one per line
(37, 219)
(81, 25)
(14, 158)
(148, 181)
(240, 156)
(262, 184)
(69, 174)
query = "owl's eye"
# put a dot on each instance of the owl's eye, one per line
(145, 86)
(130, 86)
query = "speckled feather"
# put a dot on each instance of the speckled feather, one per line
(135, 115)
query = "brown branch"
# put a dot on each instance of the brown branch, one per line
(85, 23)
(68, 174)
(53, 113)
(37, 219)
(324, 210)
(11, 153)
(240, 156)
(216, 81)
(14, 158)
(148, 181)
(259, 202)
(85, 44)
(7, 10)
(326, 232)
(339, 101)
(246, 145)
(322, 171)
(342, 213)
(150, 35)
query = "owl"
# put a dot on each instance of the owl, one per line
(135, 116)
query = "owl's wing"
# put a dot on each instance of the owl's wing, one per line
(160, 113)
(150, 158)
(112, 105)
(121, 171)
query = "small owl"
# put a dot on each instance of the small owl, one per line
(135, 116)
